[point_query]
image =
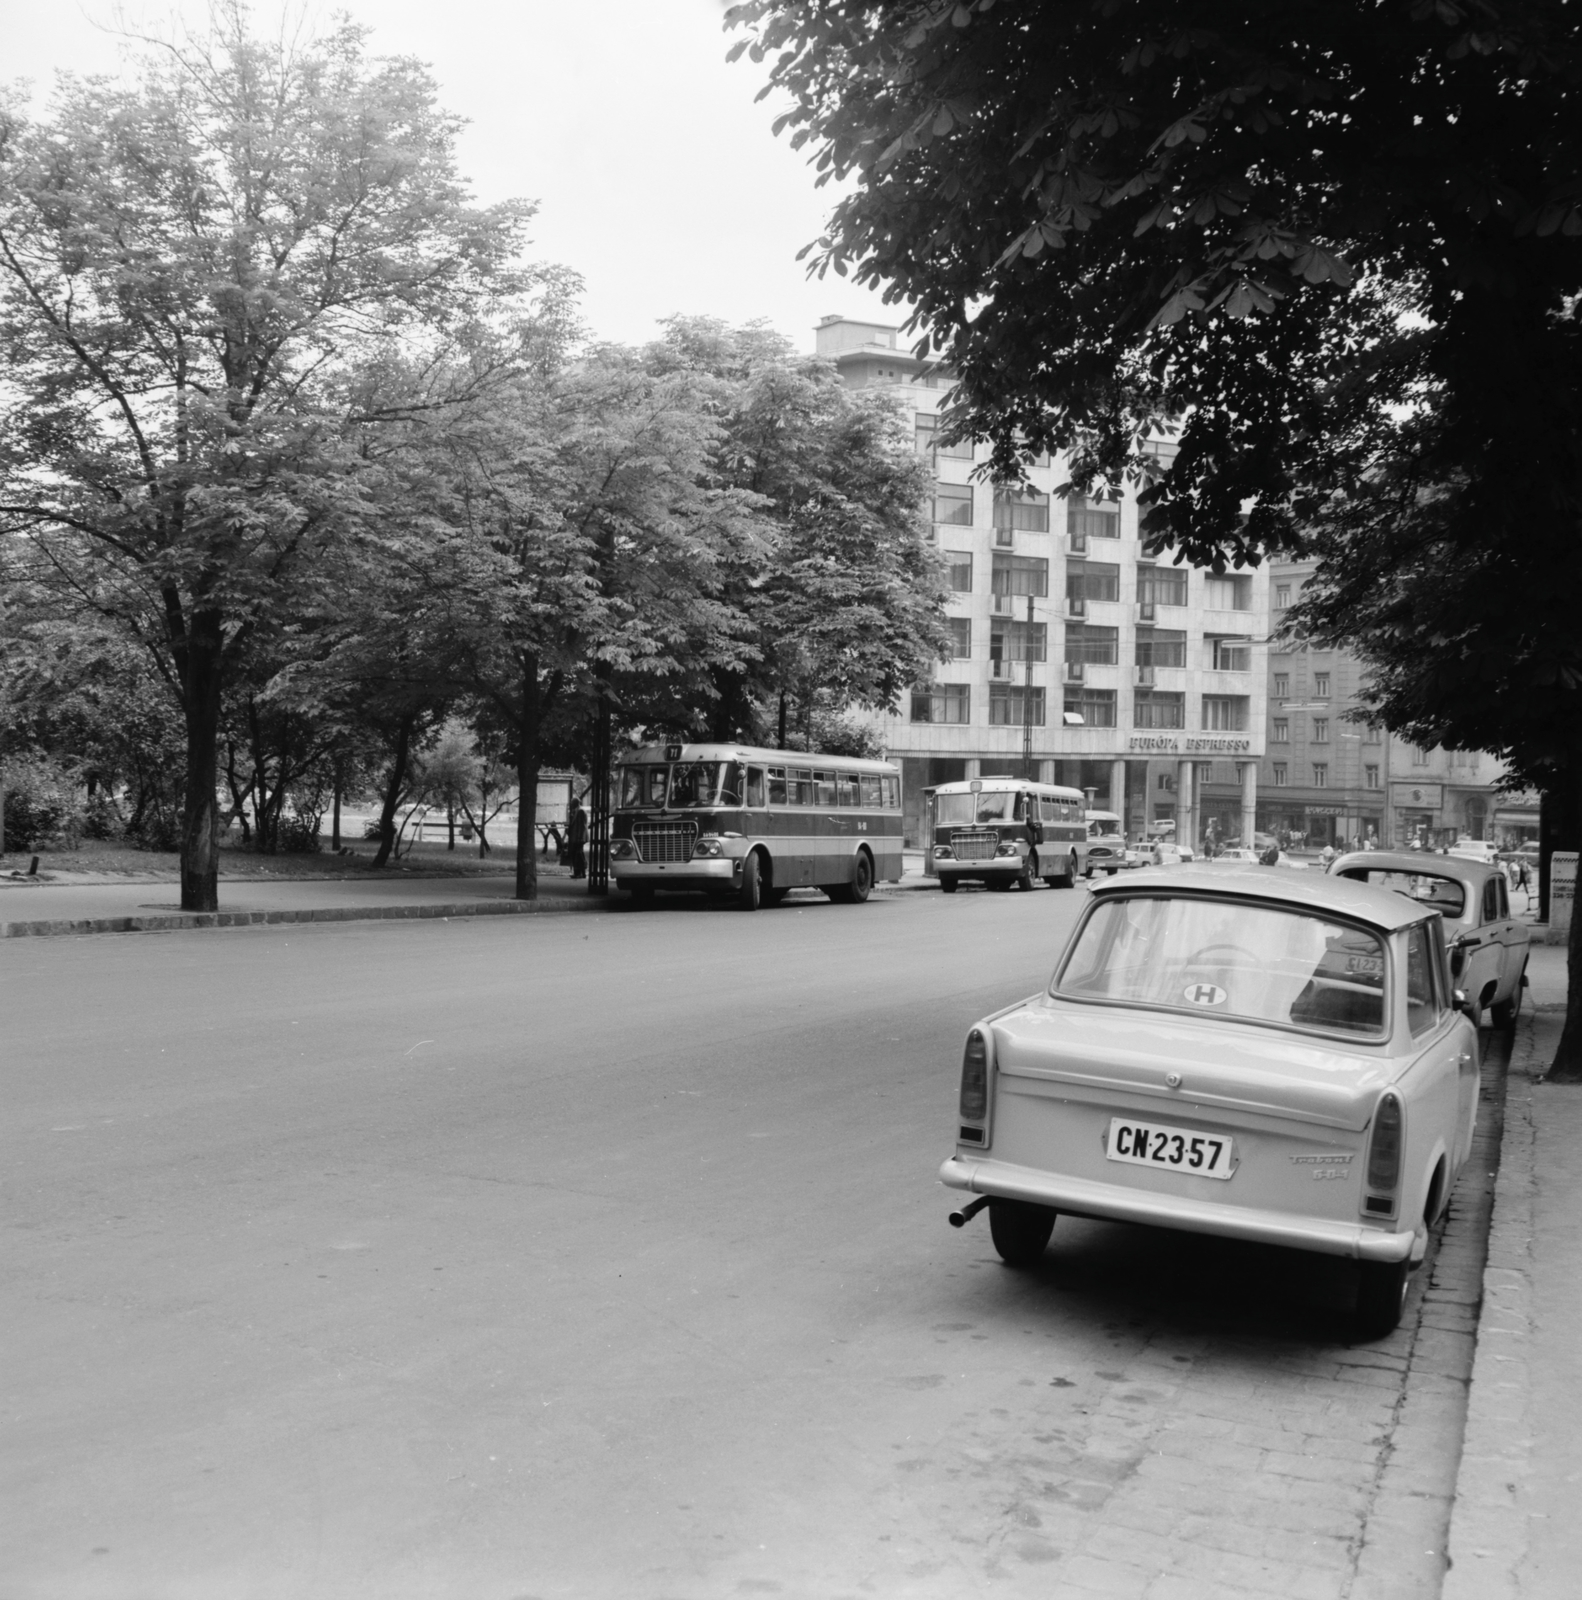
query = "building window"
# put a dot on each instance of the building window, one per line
(961, 450)
(1096, 707)
(1372, 734)
(1228, 592)
(1161, 586)
(1093, 580)
(924, 426)
(1017, 641)
(941, 702)
(1094, 522)
(1018, 575)
(1419, 757)
(1101, 646)
(1158, 708)
(1321, 685)
(960, 564)
(1282, 596)
(1320, 774)
(1027, 511)
(953, 504)
(960, 630)
(1282, 686)
(1225, 713)
(1320, 730)
(1230, 655)
(1370, 776)
(1161, 647)
(1282, 730)
(1279, 775)
(1007, 702)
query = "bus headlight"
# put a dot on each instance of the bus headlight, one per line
(943, 852)
(620, 849)
(1009, 848)
(706, 848)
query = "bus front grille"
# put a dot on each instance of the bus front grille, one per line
(664, 841)
(977, 845)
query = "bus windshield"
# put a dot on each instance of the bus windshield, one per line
(990, 805)
(706, 783)
(643, 787)
(1104, 827)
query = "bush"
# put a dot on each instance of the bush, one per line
(298, 836)
(40, 806)
(101, 817)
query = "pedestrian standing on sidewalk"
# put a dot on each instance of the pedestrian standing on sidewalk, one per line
(577, 838)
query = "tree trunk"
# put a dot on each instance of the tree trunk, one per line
(202, 674)
(335, 813)
(450, 824)
(1567, 1065)
(782, 738)
(392, 794)
(527, 783)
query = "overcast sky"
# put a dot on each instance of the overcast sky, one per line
(656, 175)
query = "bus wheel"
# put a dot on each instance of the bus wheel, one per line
(947, 885)
(1024, 879)
(855, 892)
(1064, 880)
(750, 896)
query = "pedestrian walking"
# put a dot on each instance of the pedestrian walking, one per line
(577, 839)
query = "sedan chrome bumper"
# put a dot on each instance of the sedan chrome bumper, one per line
(1112, 1202)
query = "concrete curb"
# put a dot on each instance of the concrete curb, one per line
(166, 922)
(1488, 1530)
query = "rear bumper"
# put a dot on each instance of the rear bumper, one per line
(1083, 1196)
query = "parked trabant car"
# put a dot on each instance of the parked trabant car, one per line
(1488, 946)
(1236, 1051)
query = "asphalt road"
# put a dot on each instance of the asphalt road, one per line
(604, 1256)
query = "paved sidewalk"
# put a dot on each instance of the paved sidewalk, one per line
(1515, 1532)
(34, 909)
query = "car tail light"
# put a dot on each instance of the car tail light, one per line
(1384, 1156)
(975, 1078)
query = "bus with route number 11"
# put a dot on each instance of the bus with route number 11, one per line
(751, 824)
(1004, 831)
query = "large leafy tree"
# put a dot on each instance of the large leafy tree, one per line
(189, 260)
(1337, 243)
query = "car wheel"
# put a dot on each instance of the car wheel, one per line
(1504, 1014)
(1381, 1296)
(750, 896)
(1024, 878)
(1020, 1231)
(947, 885)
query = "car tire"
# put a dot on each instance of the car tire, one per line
(1504, 1014)
(750, 895)
(1020, 1231)
(1381, 1297)
(1024, 878)
(947, 885)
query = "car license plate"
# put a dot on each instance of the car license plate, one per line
(1153, 1144)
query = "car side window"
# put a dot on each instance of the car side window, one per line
(1505, 899)
(755, 786)
(1422, 1009)
(1491, 901)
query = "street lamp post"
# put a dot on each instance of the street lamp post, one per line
(1027, 693)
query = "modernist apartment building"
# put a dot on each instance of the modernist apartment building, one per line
(1074, 651)
(1328, 780)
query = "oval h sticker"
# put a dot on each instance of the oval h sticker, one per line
(1205, 994)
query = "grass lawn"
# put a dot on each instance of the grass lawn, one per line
(429, 860)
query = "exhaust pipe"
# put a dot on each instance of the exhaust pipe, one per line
(960, 1219)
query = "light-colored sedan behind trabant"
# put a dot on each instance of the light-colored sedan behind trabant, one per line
(1488, 946)
(1262, 1055)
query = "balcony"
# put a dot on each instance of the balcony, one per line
(1145, 611)
(1076, 544)
(1076, 607)
(1145, 677)
(1074, 672)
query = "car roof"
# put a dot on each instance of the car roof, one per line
(661, 753)
(1463, 868)
(1309, 891)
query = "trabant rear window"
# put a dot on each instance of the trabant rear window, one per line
(1225, 958)
(1447, 895)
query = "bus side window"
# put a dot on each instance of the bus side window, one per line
(755, 787)
(825, 783)
(846, 790)
(870, 791)
(777, 786)
(892, 793)
(802, 787)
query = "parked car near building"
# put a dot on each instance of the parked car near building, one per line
(1488, 946)
(1252, 1054)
